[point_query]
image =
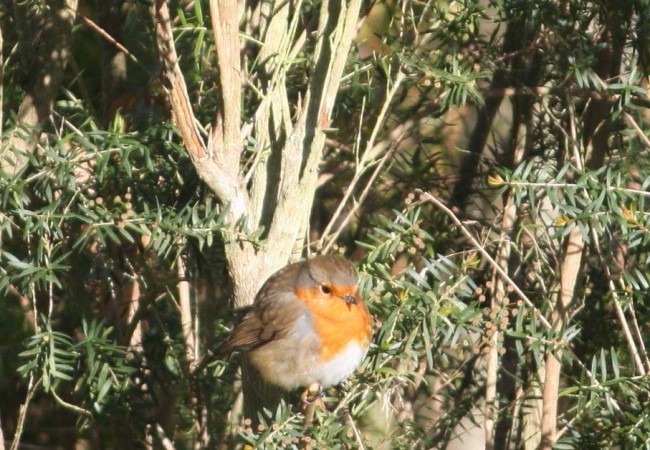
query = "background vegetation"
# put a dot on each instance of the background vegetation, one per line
(484, 162)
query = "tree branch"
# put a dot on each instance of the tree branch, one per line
(218, 169)
(304, 147)
(225, 138)
(176, 87)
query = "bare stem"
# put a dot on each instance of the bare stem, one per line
(186, 310)
(31, 389)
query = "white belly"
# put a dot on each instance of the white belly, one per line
(338, 368)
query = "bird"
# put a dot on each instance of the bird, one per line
(307, 326)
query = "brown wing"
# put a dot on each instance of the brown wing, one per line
(246, 332)
(275, 309)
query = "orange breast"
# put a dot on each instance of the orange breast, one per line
(336, 322)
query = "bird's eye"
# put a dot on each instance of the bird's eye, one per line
(325, 290)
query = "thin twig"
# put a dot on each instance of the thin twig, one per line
(620, 314)
(488, 257)
(31, 389)
(639, 336)
(364, 194)
(70, 406)
(639, 132)
(363, 163)
(111, 40)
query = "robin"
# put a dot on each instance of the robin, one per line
(307, 325)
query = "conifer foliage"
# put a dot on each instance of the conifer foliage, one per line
(485, 164)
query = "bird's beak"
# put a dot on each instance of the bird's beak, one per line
(350, 299)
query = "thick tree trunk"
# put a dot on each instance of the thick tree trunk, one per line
(281, 188)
